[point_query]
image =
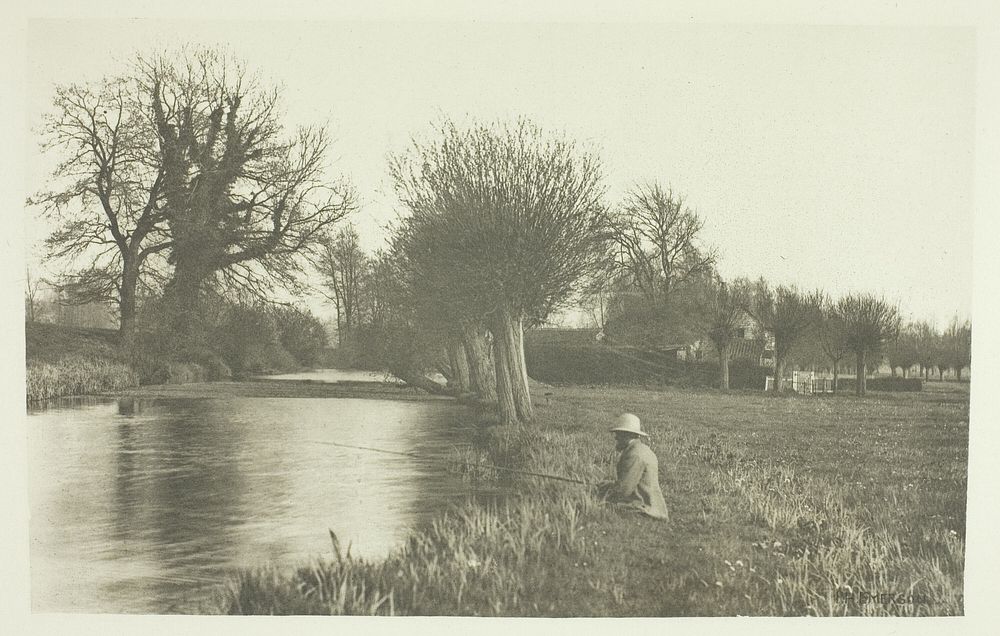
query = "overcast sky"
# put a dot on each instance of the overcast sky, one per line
(831, 157)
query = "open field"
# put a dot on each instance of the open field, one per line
(779, 506)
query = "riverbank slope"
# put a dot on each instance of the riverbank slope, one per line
(63, 361)
(779, 506)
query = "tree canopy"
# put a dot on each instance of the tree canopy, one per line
(504, 220)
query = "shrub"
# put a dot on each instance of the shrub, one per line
(217, 369)
(301, 334)
(746, 375)
(250, 342)
(561, 364)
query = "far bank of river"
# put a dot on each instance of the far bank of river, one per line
(269, 387)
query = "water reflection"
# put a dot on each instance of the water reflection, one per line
(143, 505)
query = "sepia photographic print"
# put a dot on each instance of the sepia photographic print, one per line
(558, 312)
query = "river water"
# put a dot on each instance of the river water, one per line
(144, 506)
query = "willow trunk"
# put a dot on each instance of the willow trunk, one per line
(511, 371)
(459, 367)
(724, 367)
(779, 373)
(860, 384)
(506, 410)
(482, 377)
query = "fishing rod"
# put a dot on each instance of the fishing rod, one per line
(456, 461)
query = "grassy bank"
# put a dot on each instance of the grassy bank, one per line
(779, 506)
(77, 376)
(73, 361)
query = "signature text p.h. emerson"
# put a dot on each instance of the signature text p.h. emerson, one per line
(867, 597)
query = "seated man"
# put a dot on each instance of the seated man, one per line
(638, 483)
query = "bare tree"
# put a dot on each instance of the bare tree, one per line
(959, 335)
(925, 339)
(32, 300)
(510, 220)
(724, 312)
(942, 355)
(656, 253)
(106, 193)
(657, 239)
(870, 324)
(343, 265)
(788, 314)
(902, 351)
(832, 336)
(599, 292)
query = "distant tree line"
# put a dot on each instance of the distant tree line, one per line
(922, 347)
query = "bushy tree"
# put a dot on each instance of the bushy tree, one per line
(832, 336)
(505, 219)
(871, 323)
(249, 340)
(788, 314)
(244, 200)
(300, 334)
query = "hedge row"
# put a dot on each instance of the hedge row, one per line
(883, 384)
(555, 364)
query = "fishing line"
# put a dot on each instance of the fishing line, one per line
(456, 461)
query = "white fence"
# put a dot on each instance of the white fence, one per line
(804, 382)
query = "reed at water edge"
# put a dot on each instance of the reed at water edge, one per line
(477, 559)
(77, 376)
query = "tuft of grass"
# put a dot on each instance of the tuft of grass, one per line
(474, 560)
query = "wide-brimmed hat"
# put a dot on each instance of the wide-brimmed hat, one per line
(628, 423)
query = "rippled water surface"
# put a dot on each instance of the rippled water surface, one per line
(145, 505)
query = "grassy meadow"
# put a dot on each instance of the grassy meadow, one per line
(778, 506)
